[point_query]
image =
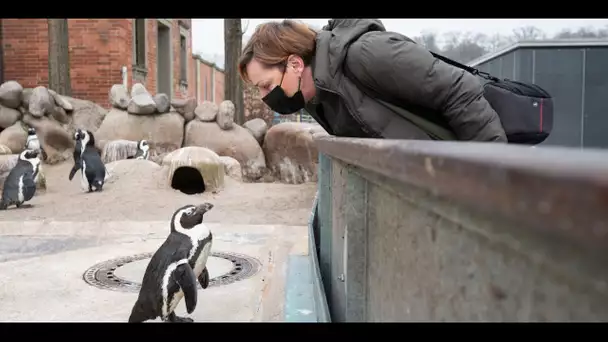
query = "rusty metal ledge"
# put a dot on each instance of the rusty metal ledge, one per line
(560, 190)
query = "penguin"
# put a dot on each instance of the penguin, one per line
(33, 143)
(78, 149)
(175, 268)
(89, 162)
(77, 152)
(143, 150)
(20, 184)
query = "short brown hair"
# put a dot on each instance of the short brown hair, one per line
(272, 43)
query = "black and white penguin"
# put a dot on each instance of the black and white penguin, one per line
(143, 150)
(33, 143)
(20, 184)
(78, 149)
(89, 163)
(175, 268)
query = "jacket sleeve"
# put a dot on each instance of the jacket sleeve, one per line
(391, 64)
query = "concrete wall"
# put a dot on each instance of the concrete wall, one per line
(98, 50)
(442, 232)
(577, 78)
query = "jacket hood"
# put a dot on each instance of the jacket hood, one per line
(335, 38)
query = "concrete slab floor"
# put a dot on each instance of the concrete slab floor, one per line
(42, 266)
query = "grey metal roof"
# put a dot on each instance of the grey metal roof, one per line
(539, 44)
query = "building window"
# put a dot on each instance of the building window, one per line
(183, 56)
(140, 43)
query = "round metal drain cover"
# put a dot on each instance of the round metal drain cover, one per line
(102, 275)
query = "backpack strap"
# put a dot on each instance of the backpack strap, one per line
(471, 70)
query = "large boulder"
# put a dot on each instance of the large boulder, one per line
(54, 139)
(59, 114)
(142, 104)
(119, 96)
(14, 137)
(86, 115)
(185, 107)
(61, 101)
(11, 93)
(165, 132)
(25, 97)
(225, 115)
(8, 116)
(206, 111)
(137, 89)
(41, 102)
(162, 103)
(258, 128)
(237, 143)
(135, 173)
(291, 154)
(205, 161)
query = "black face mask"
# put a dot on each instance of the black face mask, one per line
(278, 101)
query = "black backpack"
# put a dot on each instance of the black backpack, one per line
(525, 110)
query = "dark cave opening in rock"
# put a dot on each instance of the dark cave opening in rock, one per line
(188, 180)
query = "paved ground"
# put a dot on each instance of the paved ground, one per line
(42, 265)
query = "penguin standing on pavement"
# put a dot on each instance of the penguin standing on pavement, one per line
(20, 184)
(89, 163)
(175, 268)
(143, 150)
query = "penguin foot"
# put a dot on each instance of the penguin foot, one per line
(24, 206)
(173, 318)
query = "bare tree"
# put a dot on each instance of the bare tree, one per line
(233, 45)
(464, 46)
(528, 33)
(59, 57)
(582, 32)
(246, 26)
(428, 40)
(497, 42)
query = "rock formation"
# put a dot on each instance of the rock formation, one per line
(291, 153)
(55, 118)
(179, 132)
(232, 167)
(164, 132)
(258, 128)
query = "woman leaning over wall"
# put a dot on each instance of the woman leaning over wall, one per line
(339, 74)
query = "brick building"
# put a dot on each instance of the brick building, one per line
(209, 82)
(155, 52)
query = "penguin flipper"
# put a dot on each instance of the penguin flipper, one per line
(75, 169)
(203, 279)
(185, 278)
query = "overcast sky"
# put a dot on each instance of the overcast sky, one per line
(208, 34)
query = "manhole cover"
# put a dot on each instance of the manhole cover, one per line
(103, 275)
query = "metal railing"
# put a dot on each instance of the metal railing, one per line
(454, 231)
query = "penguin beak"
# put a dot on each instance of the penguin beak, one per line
(203, 208)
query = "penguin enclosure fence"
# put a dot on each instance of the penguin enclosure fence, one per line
(188, 180)
(454, 231)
